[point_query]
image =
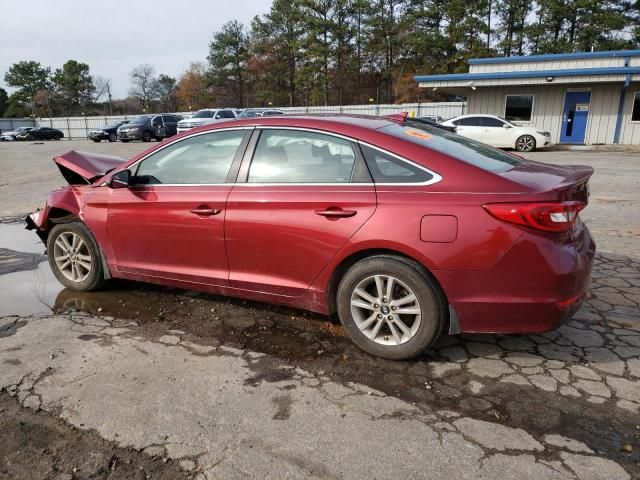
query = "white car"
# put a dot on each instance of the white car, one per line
(205, 117)
(498, 132)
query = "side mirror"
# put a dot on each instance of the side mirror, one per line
(504, 125)
(121, 179)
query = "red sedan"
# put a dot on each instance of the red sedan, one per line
(403, 230)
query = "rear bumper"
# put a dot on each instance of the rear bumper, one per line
(535, 287)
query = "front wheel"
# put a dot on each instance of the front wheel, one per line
(391, 307)
(74, 257)
(113, 137)
(146, 136)
(526, 143)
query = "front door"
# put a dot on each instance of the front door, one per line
(170, 222)
(574, 118)
(296, 210)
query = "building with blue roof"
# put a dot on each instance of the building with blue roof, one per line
(586, 98)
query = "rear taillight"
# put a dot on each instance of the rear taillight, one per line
(547, 216)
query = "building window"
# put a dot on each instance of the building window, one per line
(635, 113)
(518, 108)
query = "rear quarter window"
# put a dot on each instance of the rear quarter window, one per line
(386, 168)
(459, 147)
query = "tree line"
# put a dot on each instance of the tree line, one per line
(329, 52)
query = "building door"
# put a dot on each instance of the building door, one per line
(574, 118)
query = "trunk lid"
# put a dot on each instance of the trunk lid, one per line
(567, 182)
(79, 168)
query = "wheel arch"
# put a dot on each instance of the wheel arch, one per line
(348, 261)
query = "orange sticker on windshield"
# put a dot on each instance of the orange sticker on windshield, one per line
(418, 134)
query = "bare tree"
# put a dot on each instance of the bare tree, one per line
(103, 88)
(143, 81)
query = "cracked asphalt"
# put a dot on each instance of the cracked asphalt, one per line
(150, 382)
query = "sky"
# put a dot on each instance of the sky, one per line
(115, 36)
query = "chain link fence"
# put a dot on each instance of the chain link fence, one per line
(79, 127)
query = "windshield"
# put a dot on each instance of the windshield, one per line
(203, 114)
(113, 125)
(465, 149)
(140, 120)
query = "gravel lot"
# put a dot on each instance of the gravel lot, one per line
(172, 384)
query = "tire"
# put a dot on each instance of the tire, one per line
(95, 140)
(124, 141)
(526, 143)
(86, 252)
(113, 137)
(146, 136)
(384, 338)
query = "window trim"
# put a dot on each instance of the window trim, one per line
(234, 164)
(636, 95)
(533, 104)
(244, 155)
(248, 158)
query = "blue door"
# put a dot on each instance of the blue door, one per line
(574, 118)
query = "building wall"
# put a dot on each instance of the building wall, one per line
(548, 107)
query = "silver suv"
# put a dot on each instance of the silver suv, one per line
(205, 117)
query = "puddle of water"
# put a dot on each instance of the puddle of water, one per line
(15, 237)
(28, 292)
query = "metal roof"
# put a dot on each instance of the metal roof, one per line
(556, 56)
(570, 72)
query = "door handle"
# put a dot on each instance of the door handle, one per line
(336, 213)
(205, 211)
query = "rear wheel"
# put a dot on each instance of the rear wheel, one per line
(74, 257)
(390, 307)
(526, 143)
(113, 137)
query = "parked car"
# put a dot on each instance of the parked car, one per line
(401, 229)
(109, 132)
(206, 116)
(147, 127)
(11, 136)
(501, 133)
(431, 118)
(41, 133)
(260, 112)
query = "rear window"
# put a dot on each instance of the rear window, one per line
(464, 149)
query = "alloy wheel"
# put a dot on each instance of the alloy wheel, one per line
(72, 256)
(386, 310)
(526, 143)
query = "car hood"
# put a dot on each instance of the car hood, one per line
(83, 168)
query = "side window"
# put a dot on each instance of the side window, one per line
(469, 122)
(386, 168)
(157, 121)
(203, 159)
(287, 156)
(227, 114)
(491, 122)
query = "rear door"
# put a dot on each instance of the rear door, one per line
(170, 222)
(300, 196)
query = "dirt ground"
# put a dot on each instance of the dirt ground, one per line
(226, 388)
(36, 445)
